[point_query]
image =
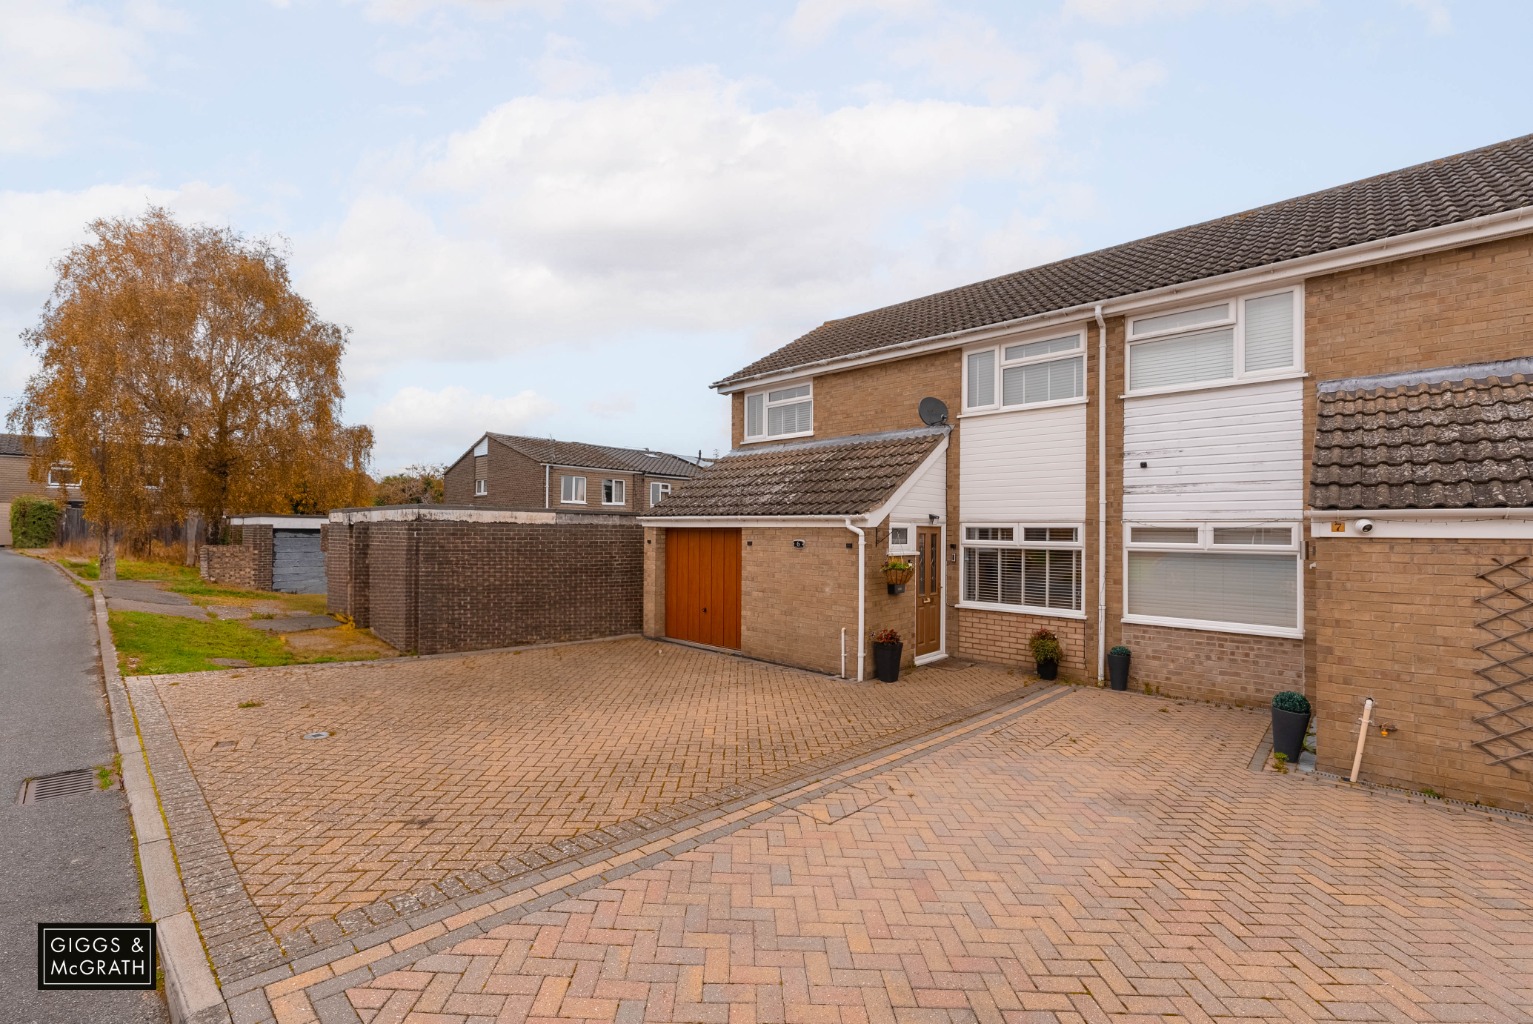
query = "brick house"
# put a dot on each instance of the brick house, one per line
(16, 480)
(1131, 457)
(504, 471)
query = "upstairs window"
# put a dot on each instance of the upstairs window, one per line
(481, 488)
(1026, 374)
(1224, 341)
(784, 412)
(572, 490)
(62, 474)
(614, 492)
(658, 490)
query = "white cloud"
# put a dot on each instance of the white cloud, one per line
(51, 50)
(1130, 12)
(813, 20)
(417, 425)
(562, 70)
(434, 54)
(675, 207)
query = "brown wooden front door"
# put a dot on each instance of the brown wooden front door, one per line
(928, 590)
(702, 586)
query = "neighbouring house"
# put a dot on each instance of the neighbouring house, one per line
(504, 471)
(276, 552)
(1285, 449)
(16, 480)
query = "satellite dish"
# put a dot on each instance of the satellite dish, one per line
(933, 412)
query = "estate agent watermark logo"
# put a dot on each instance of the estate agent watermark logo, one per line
(95, 956)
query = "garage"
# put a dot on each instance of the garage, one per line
(297, 564)
(702, 586)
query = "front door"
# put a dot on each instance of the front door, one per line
(928, 590)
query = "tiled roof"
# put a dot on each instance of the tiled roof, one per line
(13, 444)
(596, 456)
(844, 476)
(1458, 188)
(1458, 437)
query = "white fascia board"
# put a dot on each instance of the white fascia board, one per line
(1424, 524)
(768, 522)
(284, 522)
(427, 514)
(1294, 271)
(881, 513)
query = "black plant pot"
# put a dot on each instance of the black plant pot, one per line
(886, 662)
(1117, 671)
(1288, 729)
(1048, 669)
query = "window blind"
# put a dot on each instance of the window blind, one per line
(1269, 332)
(1188, 359)
(754, 418)
(1032, 383)
(981, 379)
(1186, 318)
(1215, 586)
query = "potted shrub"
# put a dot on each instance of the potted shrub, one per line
(897, 573)
(1117, 667)
(1046, 652)
(888, 647)
(1290, 721)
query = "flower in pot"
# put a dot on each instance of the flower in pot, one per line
(888, 647)
(1117, 667)
(1290, 721)
(897, 573)
(1046, 652)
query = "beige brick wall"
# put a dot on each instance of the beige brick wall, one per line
(794, 602)
(654, 581)
(1398, 623)
(1200, 664)
(1002, 637)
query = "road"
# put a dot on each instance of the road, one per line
(70, 858)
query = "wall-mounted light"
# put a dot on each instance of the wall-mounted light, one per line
(798, 543)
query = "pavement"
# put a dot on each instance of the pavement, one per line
(68, 859)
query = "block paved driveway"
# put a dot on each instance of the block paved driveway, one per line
(1100, 857)
(452, 768)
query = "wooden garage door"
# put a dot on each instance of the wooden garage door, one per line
(702, 586)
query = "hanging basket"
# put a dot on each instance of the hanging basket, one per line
(900, 576)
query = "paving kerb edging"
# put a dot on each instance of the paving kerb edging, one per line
(318, 992)
(191, 993)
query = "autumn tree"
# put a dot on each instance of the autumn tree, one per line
(414, 485)
(181, 372)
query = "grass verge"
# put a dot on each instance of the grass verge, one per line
(149, 644)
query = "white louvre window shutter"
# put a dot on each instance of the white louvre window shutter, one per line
(1188, 359)
(754, 425)
(1234, 587)
(981, 379)
(1269, 333)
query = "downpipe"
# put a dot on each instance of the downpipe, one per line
(1362, 738)
(862, 597)
(1101, 493)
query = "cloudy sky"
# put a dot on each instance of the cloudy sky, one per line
(568, 217)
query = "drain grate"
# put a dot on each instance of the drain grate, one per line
(61, 784)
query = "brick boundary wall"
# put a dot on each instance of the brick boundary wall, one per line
(229, 564)
(437, 584)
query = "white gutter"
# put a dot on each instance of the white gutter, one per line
(862, 595)
(768, 522)
(1448, 236)
(1101, 493)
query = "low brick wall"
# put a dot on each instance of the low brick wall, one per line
(1001, 637)
(1225, 668)
(1399, 621)
(229, 564)
(434, 582)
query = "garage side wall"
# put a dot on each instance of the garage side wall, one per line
(794, 602)
(1399, 622)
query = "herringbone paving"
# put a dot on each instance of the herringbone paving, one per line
(440, 768)
(1106, 858)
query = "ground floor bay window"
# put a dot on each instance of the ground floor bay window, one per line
(1230, 577)
(1019, 567)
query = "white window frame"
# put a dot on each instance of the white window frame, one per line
(909, 546)
(659, 490)
(767, 405)
(1205, 542)
(1237, 320)
(999, 365)
(617, 488)
(1017, 543)
(66, 467)
(481, 488)
(578, 489)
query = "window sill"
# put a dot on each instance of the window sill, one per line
(1012, 410)
(1214, 385)
(778, 437)
(1019, 609)
(563, 502)
(1215, 627)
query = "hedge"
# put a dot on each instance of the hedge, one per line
(34, 521)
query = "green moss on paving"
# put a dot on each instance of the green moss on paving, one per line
(149, 644)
